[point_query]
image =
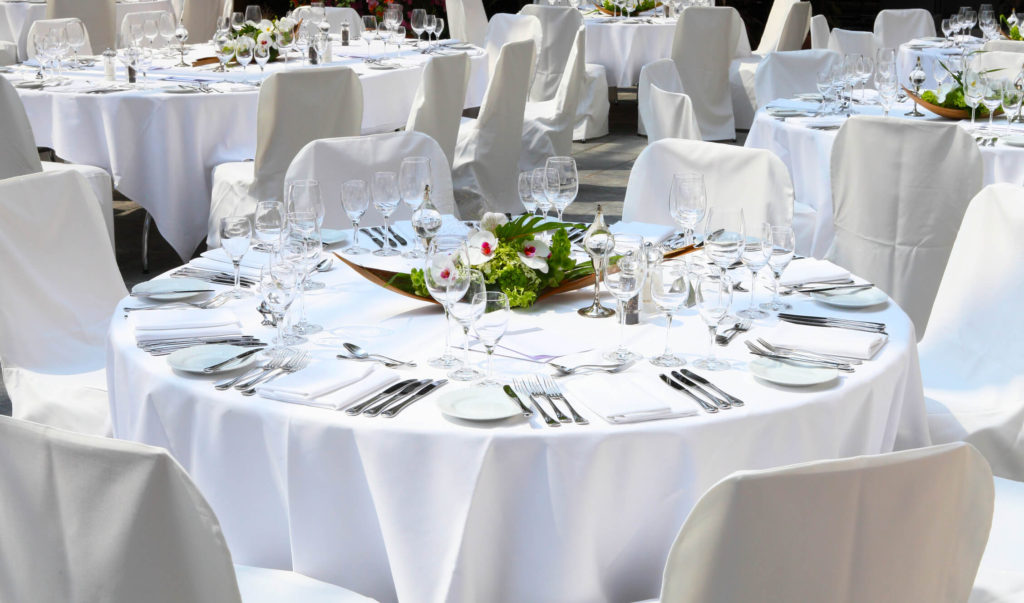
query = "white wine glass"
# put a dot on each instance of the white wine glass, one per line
(244, 51)
(726, 237)
(235, 236)
(446, 255)
(688, 202)
(304, 196)
(669, 291)
(523, 186)
(414, 178)
(755, 257)
(269, 222)
(466, 307)
(714, 297)
(303, 234)
(538, 185)
(623, 280)
(253, 15)
(278, 286)
(490, 327)
(385, 200)
(783, 249)
(355, 199)
(563, 182)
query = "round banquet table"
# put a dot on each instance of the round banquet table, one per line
(807, 153)
(421, 508)
(161, 148)
(930, 54)
(624, 48)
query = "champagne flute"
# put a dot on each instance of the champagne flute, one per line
(624, 281)
(355, 198)
(385, 200)
(466, 289)
(669, 290)
(562, 182)
(446, 254)
(783, 248)
(414, 178)
(526, 193)
(714, 297)
(235, 235)
(755, 257)
(688, 201)
(490, 326)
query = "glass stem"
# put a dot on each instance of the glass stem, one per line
(302, 301)
(776, 302)
(622, 325)
(712, 330)
(668, 333)
(465, 348)
(280, 328)
(355, 233)
(238, 269)
(560, 212)
(490, 354)
(447, 333)
(753, 283)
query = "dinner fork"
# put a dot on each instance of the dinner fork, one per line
(522, 385)
(537, 389)
(551, 390)
(296, 363)
(277, 359)
(287, 358)
(214, 302)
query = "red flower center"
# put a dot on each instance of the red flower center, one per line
(486, 248)
(445, 274)
(530, 251)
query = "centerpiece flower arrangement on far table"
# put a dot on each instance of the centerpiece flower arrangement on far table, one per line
(952, 104)
(264, 34)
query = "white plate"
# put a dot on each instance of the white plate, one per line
(155, 289)
(862, 298)
(774, 112)
(474, 403)
(809, 96)
(784, 373)
(180, 90)
(460, 46)
(382, 66)
(1017, 140)
(198, 357)
(330, 236)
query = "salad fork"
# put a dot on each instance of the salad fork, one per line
(297, 362)
(551, 390)
(522, 385)
(536, 389)
(214, 302)
(276, 360)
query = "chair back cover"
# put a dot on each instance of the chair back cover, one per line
(293, 110)
(798, 23)
(783, 74)
(1004, 45)
(334, 161)
(661, 73)
(137, 18)
(819, 32)
(907, 526)
(559, 25)
(897, 210)
(43, 26)
(753, 179)
(18, 154)
(703, 47)
(487, 153)
(99, 16)
(336, 15)
(87, 518)
(774, 25)
(847, 42)
(672, 116)
(548, 125)
(505, 28)
(437, 107)
(897, 26)
(1008, 63)
(200, 17)
(467, 20)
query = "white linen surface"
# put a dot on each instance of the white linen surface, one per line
(540, 344)
(405, 508)
(160, 324)
(652, 233)
(826, 340)
(331, 384)
(810, 270)
(603, 394)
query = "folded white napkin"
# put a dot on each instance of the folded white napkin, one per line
(652, 233)
(163, 324)
(252, 258)
(628, 398)
(227, 268)
(810, 270)
(538, 344)
(331, 384)
(841, 342)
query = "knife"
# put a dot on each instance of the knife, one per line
(401, 240)
(707, 407)
(405, 391)
(236, 358)
(719, 402)
(394, 410)
(512, 394)
(387, 392)
(373, 237)
(152, 293)
(692, 375)
(385, 236)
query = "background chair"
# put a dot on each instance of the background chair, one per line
(467, 20)
(784, 74)
(53, 322)
(98, 519)
(664, 111)
(99, 16)
(1004, 45)
(291, 113)
(44, 26)
(138, 18)
(437, 107)
(898, 26)
(505, 28)
(847, 42)
(819, 32)
(1001, 575)
(548, 125)
(897, 210)
(779, 33)
(558, 33)
(200, 16)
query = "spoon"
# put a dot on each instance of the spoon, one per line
(361, 354)
(325, 264)
(606, 368)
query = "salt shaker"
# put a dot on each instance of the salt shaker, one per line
(345, 33)
(109, 56)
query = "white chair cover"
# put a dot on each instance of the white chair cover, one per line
(136, 18)
(1001, 575)
(487, 152)
(783, 74)
(53, 322)
(18, 155)
(703, 47)
(548, 125)
(819, 32)
(898, 26)
(1004, 45)
(752, 179)
(505, 28)
(43, 26)
(295, 107)
(897, 210)
(437, 108)
(664, 111)
(773, 27)
(1009, 63)
(847, 42)
(592, 113)
(786, 28)
(200, 17)
(336, 15)
(98, 519)
(8, 53)
(558, 31)
(467, 20)
(908, 526)
(971, 362)
(334, 161)
(99, 16)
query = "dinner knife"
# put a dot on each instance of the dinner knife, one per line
(380, 396)
(678, 386)
(834, 325)
(719, 402)
(235, 358)
(373, 237)
(849, 288)
(863, 323)
(512, 394)
(375, 410)
(692, 375)
(152, 293)
(845, 368)
(394, 410)
(384, 235)
(401, 240)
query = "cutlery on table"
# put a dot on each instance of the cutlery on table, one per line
(358, 353)
(849, 288)
(603, 368)
(743, 325)
(775, 349)
(534, 388)
(214, 302)
(824, 321)
(233, 360)
(695, 377)
(392, 412)
(798, 359)
(679, 387)
(511, 393)
(291, 365)
(388, 391)
(721, 403)
(551, 391)
(521, 384)
(401, 240)
(182, 291)
(373, 237)
(276, 360)
(373, 408)
(384, 235)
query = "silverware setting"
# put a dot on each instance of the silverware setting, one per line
(725, 337)
(389, 396)
(840, 323)
(237, 358)
(292, 364)
(357, 353)
(277, 358)
(213, 276)
(678, 386)
(695, 377)
(373, 237)
(385, 236)
(163, 347)
(598, 368)
(214, 302)
(511, 393)
(182, 291)
(847, 288)
(775, 349)
(797, 358)
(393, 411)
(521, 384)
(545, 386)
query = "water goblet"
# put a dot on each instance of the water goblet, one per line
(446, 256)
(562, 182)
(624, 281)
(237, 21)
(466, 308)
(490, 326)
(714, 297)
(755, 257)
(526, 193)
(418, 23)
(269, 222)
(670, 291)
(783, 249)
(355, 198)
(253, 15)
(235, 235)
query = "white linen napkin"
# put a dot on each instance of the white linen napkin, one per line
(163, 324)
(841, 342)
(627, 398)
(538, 344)
(810, 270)
(330, 384)
(652, 233)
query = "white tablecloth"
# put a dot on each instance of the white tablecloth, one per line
(930, 54)
(421, 508)
(16, 18)
(808, 152)
(624, 48)
(161, 148)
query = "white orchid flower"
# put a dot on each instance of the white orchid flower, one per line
(482, 246)
(491, 221)
(265, 26)
(442, 269)
(535, 254)
(286, 24)
(264, 40)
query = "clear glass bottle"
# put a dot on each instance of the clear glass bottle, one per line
(426, 220)
(599, 243)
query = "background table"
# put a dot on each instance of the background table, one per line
(624, 48)
(423, 508)
(929, 54)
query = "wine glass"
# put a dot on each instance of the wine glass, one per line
(669, 290)
(726, 237)
(446, 255)
(224, 49)
(993, 97)
(166, 26)
(974, 91)
(438, 29)
(688, 201)
(285, 42)
(235, 235)
(268, 225)
(278, 286)
(76, 38)
(369, 28)
(385, 200)
(414, 178)
(526, 193)
(887, 92)
(755, 257)
(426, 223)
(399, 35)
(783, 248)
(355, 198)
(253, 15)
(562, 182)
(244, 51)
(490, 326)
(431, 25)
(1011, 100)
(624, 281)
(237, 21)
(137, 34)
(305, 244)
(151, 31)
(322, 43)
(466, 308)
(947, 29)
(823, 83)
(304, 196)
(714, 297)
(538, 179)
(261, 54)
(418, 22)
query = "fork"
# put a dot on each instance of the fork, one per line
(288, 360)
(522, 385)
(727, 335)
(275, 362)
(551, 390)
(537, 389)
(297, 362)
(214, 302)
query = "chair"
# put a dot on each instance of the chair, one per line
(200, 17)
(488, 148)
(137, 18)
(1001, 575)
(971, 364)
(819, 32)
(592, 113)
(291, 112)
(437, 107)
(467, 20)
(98, 519)
(897, 210)
(1004, 45)
(19, 156)
(784, 74)
(548, 125)
(505, 28)
(898, 26)
(907, 526)
(786, 28)
(44, 26)
(334, 161)
(336, 15)
(703, 47)
(1008, 63)
(752, 179)
(53, 322)
(664, 111)
(847, 42)
(99, 16)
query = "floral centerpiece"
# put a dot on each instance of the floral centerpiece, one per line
(1011, 27)
(609, 7)
(953, 100)
(264, 34)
